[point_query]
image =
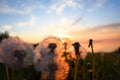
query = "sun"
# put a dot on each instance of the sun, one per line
(61, 35)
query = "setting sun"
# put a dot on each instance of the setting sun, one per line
(61, 35)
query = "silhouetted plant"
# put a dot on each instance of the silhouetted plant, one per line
(94, 67)
(93, 60)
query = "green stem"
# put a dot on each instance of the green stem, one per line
(93, 62)
(76, 68)
(7, 74)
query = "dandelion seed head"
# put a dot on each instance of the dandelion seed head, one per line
(51, 64)
(66, 43)
(14, 50)
(82, 51)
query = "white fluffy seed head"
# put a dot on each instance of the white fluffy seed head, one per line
(67, 44)
(82, 51)
(10, 46)
(44, 58)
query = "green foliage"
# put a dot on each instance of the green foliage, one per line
(19, 74)
(4, 35)
(106, 67)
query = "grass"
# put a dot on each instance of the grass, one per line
(106, 67)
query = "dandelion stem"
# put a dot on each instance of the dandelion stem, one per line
(93, 61)
(7, 74)
(76, 68)
(76, 47)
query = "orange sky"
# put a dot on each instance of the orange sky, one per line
(106, 37)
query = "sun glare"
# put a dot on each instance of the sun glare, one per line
(61, 35)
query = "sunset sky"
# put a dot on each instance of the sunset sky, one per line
(78, 20)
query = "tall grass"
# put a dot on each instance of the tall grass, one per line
(107, 67)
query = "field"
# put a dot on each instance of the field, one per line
(107, 67)
(97, 66)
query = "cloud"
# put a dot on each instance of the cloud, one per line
(7, 27)
(59, 5)
(77, 21)
(107, 28)
(106, 37)
(95, 4)
(100, 3)
(99, 32)
(6, 8)
(13, 10)
(24, 7)
(84, 5)
(31, 22)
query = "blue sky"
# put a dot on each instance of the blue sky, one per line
(33, 20)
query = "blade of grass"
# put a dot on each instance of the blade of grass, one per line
(13, 74)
